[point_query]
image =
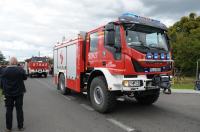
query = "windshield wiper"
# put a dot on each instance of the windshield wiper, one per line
(159, 48)
(142, 46)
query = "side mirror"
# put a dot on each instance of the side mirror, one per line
(110, 38)
(110, 27)
(168, 38)
(110, 34)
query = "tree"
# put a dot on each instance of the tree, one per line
(185, 41)
(50, 60)
(2, 58)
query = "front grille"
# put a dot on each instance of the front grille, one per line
(130, 76)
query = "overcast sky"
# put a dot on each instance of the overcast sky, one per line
(30, 26)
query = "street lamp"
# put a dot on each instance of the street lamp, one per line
(197, 70)
(197, 76)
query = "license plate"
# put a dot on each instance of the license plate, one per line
(155, 69)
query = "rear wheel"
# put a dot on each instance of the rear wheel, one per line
(147, 97)
(61, 85)
(45, 75)
(102, 100)
(39, 75)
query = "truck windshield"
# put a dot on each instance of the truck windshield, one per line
(39, 59)
(145, 37)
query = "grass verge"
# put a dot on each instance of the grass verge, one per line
(184, 83)
(183, 86)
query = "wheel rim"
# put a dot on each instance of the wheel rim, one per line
(98, 95)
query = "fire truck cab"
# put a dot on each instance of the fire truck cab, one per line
(130, 56)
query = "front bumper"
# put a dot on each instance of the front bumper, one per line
(38, 71)
(146, 84)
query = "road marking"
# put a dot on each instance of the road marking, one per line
(67, 98)
(85, 93)
(46, 84)
(87, 107)
(121, 99)
(121, 125)
(71, 97)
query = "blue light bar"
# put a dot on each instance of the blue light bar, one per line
(162, 56)
(146, 69)
(149, 56)
(155, 56)
(168, 56)
(130, 15)
(140, 17)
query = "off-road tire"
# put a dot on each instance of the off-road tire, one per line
(45, 75)
(108, 98)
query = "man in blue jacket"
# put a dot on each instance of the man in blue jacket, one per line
(12, 80)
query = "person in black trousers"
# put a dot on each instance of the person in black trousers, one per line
(12, 81)
(1, 70)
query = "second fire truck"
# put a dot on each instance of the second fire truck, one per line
(130, 56)
(37, 66)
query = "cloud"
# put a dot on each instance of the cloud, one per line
(30, 26)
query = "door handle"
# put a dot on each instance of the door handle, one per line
(103, 63)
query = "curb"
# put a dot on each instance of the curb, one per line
(183, 91)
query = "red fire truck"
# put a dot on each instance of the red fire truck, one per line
(130, 56)
(37, 66)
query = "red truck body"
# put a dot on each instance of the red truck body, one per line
(104, 63)
(37, 66)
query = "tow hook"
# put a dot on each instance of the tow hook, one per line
(164, 83)
(167, 91)
(166, 87)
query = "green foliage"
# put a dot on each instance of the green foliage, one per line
(50, 60)
(184, 83)
(185, 41)
(2, 58)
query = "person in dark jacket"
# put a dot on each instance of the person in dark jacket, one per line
(12, 80)
(1, 70)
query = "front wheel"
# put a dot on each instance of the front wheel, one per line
(147, 97)
(102, 100)
(61, 85)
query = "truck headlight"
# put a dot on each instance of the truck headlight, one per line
(132, 83)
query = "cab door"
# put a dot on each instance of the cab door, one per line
(112, 57)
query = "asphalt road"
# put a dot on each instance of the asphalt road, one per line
(46, 110)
